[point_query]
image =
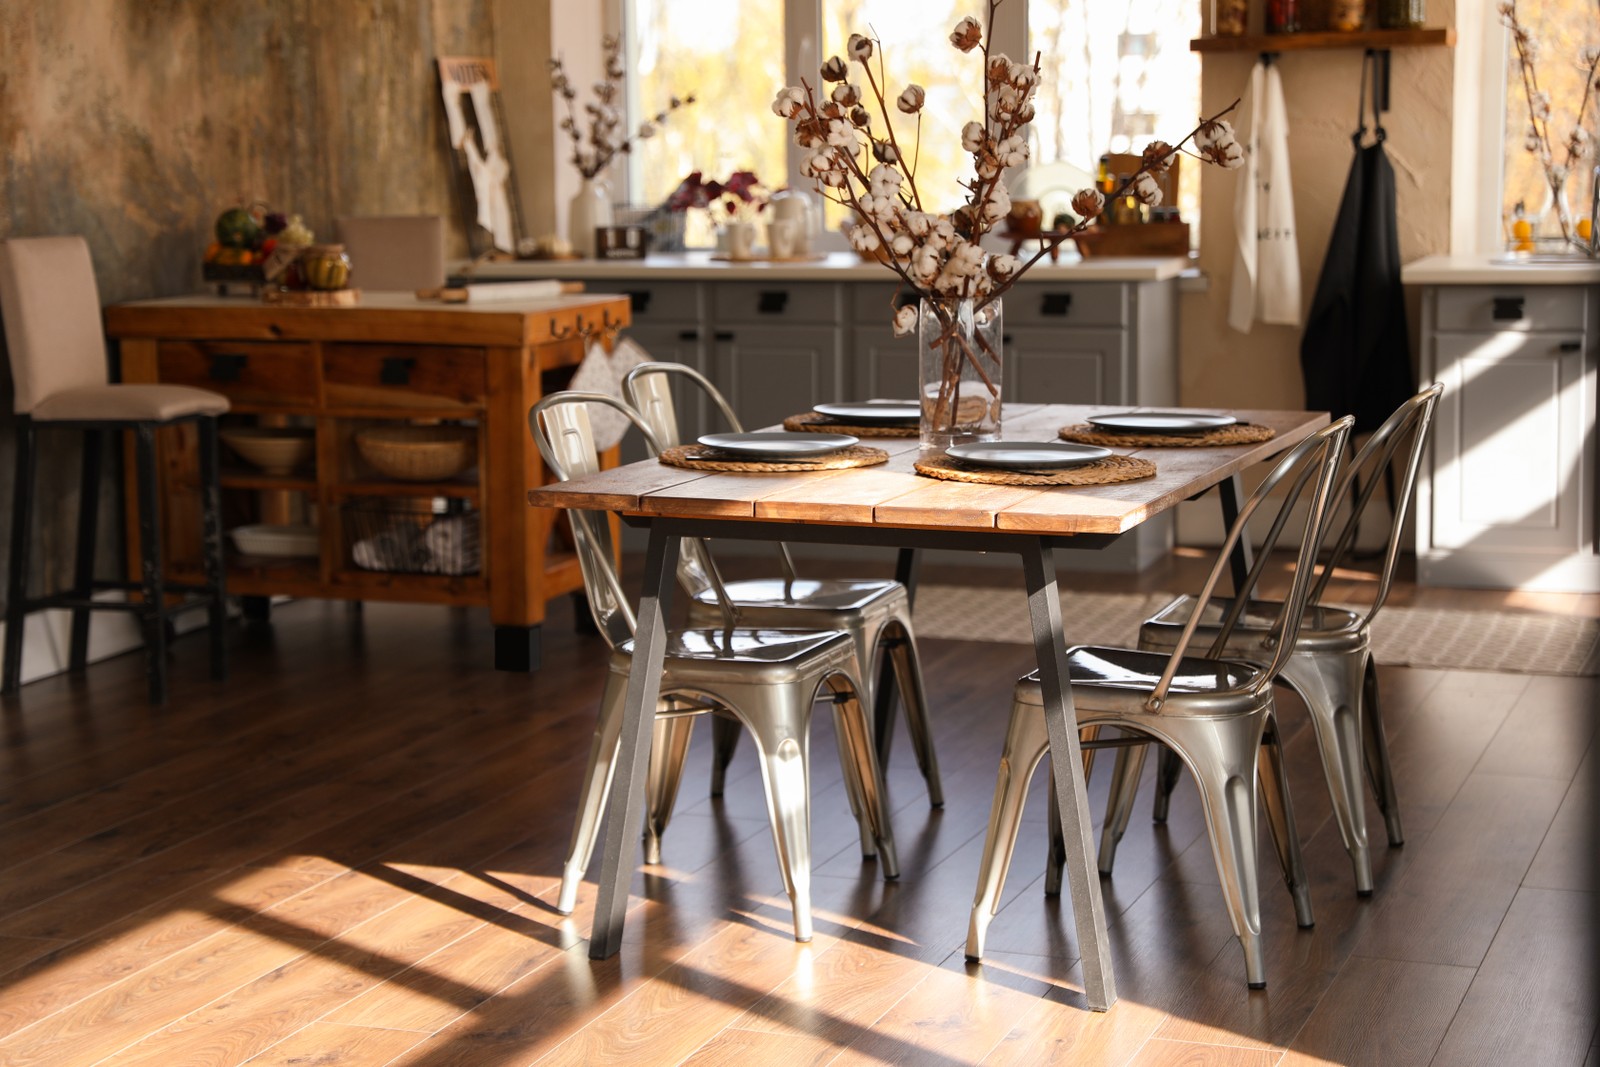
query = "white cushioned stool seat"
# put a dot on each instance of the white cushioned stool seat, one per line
(141, 403)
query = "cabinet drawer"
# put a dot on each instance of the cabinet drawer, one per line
(658, 301)
(245, 372)
(1054, 304)
(403, 376)
(1509, 307)
(797, 302)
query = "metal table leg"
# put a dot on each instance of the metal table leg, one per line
(1230, 494)
(626, 803)
(1083, 880)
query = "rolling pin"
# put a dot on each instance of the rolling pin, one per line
(500, 292)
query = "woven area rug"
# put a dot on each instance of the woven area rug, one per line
(1509, 642)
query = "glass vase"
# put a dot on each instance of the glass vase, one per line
(589, 207)
(961, 366)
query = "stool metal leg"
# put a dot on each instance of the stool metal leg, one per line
(151, 578)
(21, 529)
(88, 532)
(211, 547)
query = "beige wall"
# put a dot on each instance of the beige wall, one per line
(1261, 369)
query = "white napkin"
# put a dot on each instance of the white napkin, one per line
(1266, 261)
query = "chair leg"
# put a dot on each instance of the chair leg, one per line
(669, 746)
(1026, 743)
(88, 529)
(908, 680)
(211, 546)
(859, 758)
(1377, 755)
(783, 742)
(152, 581)
(1331, 688)
(596, 787)
(21, 542)
(1222, 753)
(1273, 780)
(1119, 805)
(1168, 769)
(724, 739)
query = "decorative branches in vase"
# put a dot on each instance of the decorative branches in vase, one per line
(858, 159)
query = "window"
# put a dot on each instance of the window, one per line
(1115, 75)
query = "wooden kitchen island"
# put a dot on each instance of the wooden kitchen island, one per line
(392, 360)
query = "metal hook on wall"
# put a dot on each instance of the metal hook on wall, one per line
(1380, 78)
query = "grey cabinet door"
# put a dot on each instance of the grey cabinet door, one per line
(884, 366)
(1512, 467)
(771, 372)
(1046, 365)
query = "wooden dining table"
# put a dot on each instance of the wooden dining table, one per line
(891, 505)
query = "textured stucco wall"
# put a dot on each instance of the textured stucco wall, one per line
(1261, 369)
(134, 122)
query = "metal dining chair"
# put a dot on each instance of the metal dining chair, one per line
(57, 351)
(1216, 713)
(764, 678)
(875, 612)
(1330, 664)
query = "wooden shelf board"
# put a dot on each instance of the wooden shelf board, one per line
(465, 490)
(243, 479)
(1295, 42)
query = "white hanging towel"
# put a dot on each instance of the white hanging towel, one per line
(1266, 261)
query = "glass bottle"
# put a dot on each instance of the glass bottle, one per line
(1402, 14)
(1283, 16)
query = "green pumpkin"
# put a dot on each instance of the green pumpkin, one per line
(237, 228)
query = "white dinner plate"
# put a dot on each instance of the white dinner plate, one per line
(1161, 422)
(1027, 455)
(873, 412)
(778, 444)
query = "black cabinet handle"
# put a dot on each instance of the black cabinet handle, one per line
(639, 300)
(1005, 338)
(1571, 346)
(772, 301)
(396, 370)
(906, 300)
(723, 335)
(1509, 308)
(227, 366)
(688, 335)
(1057, 304)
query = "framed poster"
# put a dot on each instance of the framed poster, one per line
(475, 125)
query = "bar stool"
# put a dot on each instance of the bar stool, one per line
(58, 364)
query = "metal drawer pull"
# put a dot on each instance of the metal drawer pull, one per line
(396, 370)
(906, 300)
(1509, 308)
(639, 300)
(1571, 346)
(688, 335)
(723, 335)
(1055, 304)
(227, 366)
(772, 301)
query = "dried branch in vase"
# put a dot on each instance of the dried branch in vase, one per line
(604, 114)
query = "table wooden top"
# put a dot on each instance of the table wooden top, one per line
(894, 495)
(394, 317)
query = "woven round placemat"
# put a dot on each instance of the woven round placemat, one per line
(1240, 433)
(854, 456)
(811, 422)
(1101, 472)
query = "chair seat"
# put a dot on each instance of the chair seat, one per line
(128, 403)
(806, 593)
(768, 657)
(1125, 677)
(1322, 628)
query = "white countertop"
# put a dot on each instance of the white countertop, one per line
(1484, 270)
(836, 266)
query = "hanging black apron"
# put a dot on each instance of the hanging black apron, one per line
(1355, 355)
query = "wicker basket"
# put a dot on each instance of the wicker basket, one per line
(413, 536)
(418, 453)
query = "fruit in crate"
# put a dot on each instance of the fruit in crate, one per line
(237, 228)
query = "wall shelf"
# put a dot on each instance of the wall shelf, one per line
(1294, 42)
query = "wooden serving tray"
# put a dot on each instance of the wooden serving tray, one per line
(312, 298)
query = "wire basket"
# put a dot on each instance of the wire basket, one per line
(440, 536)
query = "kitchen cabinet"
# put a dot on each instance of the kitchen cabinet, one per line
(469, 539)
(1507, 498)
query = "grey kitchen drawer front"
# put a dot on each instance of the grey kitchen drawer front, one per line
(1025, 304)
(658, 301)
(799, 303)
(1481, 308)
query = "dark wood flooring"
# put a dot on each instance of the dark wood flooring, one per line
(347, 855)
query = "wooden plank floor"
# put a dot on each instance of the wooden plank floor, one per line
(348, 855)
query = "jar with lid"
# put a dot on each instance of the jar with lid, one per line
(1402, 14)
(1346, 16)
(1283, 16)
(325, 267)
(1228, 17)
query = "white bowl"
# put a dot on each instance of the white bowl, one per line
(276, 450)
(288, 542)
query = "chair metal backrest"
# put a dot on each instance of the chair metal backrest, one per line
(52, 315)
(1411, 421)
(1311, 467)
(561, 429)
(648, 387)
